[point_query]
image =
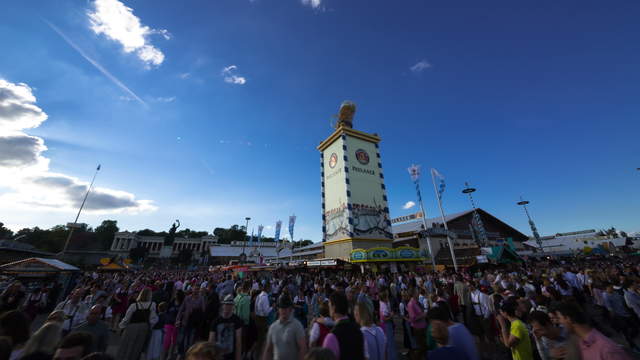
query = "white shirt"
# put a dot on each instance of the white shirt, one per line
(74, 314)
(480, 303)
(262, 305)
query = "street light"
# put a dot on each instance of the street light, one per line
(524, 204)
(482, 233)
(246, 231)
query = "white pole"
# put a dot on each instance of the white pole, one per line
(446, 228)
(75, 222)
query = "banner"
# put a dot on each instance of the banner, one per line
(276, 237)
(292, 222)
(251, 239)
(441, 184)
(406, 218)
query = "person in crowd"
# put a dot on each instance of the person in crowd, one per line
(75, 311)
(98, 356)
(204, 351)
(36, 302)
(262, 310)
(44, 341)
(301, 308)
(345, 340)
(137, 323)
(74, 347)
(170, 338)
(515, 336)
(444, 350)
(418, 324)
(622, 319)
(374, 338)
(190, 316)
(552, 342)
(155, 348)
(321, 327)
(15, 324)
(12, 297)
(96, 327)
(226, 331)
(593, 344)
(386, 322)
(458, 335)
(119, 305)
(285, 338)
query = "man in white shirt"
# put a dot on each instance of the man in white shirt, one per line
(481, 313)
(75, 311)
(262, 309)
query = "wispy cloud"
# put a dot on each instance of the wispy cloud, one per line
(100, 68)
(165, 99)
(420, 66)
(312, 3)
(184, 76)
(229, 76)
(117, 22)
(408, 205)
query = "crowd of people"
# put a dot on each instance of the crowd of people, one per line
(574, 309)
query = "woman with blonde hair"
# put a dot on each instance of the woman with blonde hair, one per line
(44, 340)
(137, 322)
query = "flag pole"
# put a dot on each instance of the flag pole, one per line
(444, 222)
(75, 222)
(415, 176)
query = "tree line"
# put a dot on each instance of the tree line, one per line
(87, 238)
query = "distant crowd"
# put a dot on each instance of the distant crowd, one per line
(574, 309)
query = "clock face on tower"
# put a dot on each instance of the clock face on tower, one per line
(333, 160)
(362, 156)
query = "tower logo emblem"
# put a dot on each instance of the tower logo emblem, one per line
(333, 160)
(362, 156)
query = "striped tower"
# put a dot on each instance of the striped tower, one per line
(355, 214)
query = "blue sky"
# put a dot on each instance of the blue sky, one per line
(538, 99)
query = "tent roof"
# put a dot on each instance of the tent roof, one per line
(38, 264)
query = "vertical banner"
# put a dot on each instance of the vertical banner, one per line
(276, 237)
(292, 222)
(251, 239)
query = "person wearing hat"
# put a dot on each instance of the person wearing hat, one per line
(285, 338)
(226, 331)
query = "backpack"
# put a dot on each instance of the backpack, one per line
(141, 315)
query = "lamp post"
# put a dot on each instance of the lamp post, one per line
(246, 231)
(74, 225)
(534, 230)
(482, 241)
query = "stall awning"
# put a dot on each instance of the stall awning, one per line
(38, 265)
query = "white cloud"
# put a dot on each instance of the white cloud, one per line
(420, 66)
(313, 3)
(408, 205)
(165, 99)
(17, 109)
(117, 22)
(229, 76)
(24, 171)
(184, 76)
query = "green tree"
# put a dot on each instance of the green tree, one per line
(4, 232)
(106, 232)
(146, 232)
